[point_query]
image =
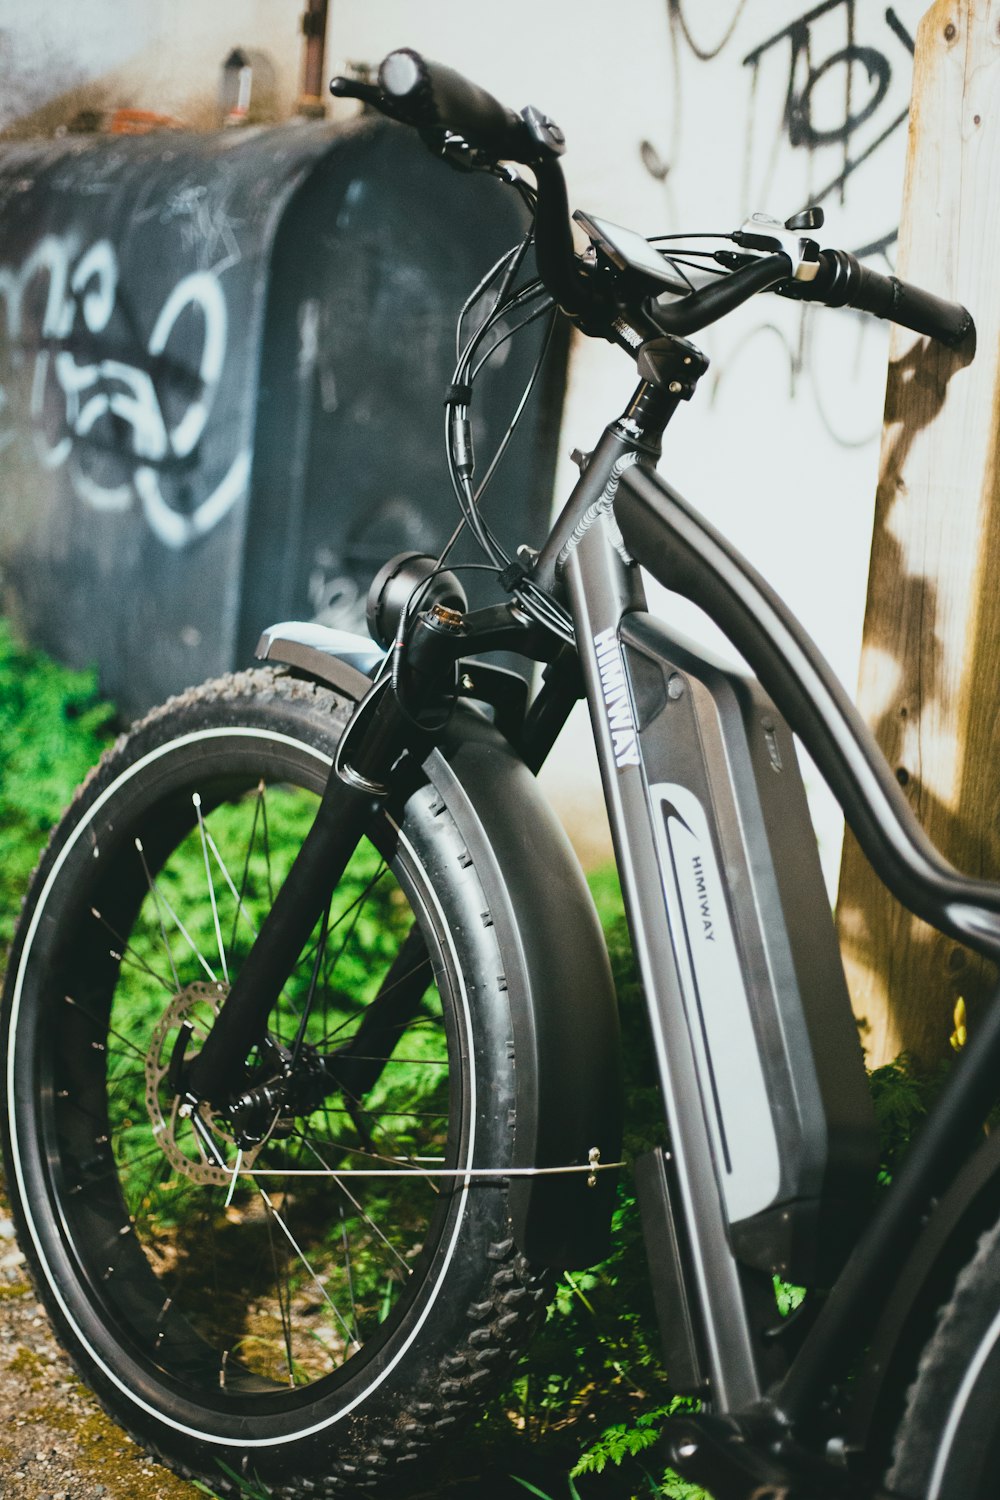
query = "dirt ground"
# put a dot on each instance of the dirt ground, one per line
(55, 1441)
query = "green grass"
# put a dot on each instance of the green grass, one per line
(53, 727)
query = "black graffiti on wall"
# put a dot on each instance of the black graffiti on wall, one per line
(833, 77)
(809, 65)
(826, 91)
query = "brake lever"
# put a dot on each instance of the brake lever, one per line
(761, 232)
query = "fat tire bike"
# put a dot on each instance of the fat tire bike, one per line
(312, 1054)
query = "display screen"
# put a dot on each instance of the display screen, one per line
(629, 251)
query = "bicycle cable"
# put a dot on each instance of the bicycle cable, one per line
(533, 600)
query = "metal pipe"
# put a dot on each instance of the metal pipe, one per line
(311, 100)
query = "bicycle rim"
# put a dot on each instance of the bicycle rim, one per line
(252, 1278)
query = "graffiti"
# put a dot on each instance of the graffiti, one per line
(335, 598)
(207, 231)
(830, 85)
(704, 52)
(125, 423)
(340, 574)
(821, 62)
(824, 97)
(812, 360)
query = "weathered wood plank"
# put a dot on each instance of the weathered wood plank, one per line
(930, 668)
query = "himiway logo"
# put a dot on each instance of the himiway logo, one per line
(697, 883)
(616, 698)
(701, 891)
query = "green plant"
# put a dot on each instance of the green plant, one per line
(249, 1489)
(902, 1095)
(574, 1493)
(624, 1440)
(53, 727)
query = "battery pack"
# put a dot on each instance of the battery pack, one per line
(780, 1064)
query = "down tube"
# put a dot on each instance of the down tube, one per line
(601, 589)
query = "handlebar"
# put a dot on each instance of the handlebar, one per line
(709, 303)
(842, 281)
(438, 101)
(435, 97)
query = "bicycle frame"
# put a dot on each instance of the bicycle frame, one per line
(619, 513)
(640, 512)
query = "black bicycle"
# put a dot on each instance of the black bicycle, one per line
(312, 1060)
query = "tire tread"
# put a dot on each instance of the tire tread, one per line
(513, 1294)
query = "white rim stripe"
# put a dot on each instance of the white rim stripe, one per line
(958, 1405)
(241, 1442)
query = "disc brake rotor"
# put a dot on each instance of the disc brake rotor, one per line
(182, 1143)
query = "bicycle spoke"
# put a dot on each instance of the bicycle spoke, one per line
(267, 845)
(347, 1272)
(150, 1182)
(159, 913)
(246, 868)
(101, 1026)
(159, 898)
(125, 953)
(286, 1328)
(337, 1178)
(392, 1161)
(304, 1259)
(387, 990)
(300, 1034)
(196, 799)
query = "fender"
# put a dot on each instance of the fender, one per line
(558, 977)
(970, 1206)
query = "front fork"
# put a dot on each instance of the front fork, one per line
(400, 716)
(344, 812)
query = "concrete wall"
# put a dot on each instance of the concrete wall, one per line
(64, 56)
(679, 115)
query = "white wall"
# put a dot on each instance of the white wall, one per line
(780, 447)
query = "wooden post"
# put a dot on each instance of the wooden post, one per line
(930, 666)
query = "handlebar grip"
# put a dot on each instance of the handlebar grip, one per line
(846, 282)
(431, 96)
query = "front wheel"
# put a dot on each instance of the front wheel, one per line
(948, 1445)
(306, 1288)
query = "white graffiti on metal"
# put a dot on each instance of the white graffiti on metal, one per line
(83, 288)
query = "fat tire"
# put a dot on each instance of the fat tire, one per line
(491, 1299)
(948, 1443)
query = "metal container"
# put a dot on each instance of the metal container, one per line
(222, 363)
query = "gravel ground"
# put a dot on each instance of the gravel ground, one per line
(55, 1441)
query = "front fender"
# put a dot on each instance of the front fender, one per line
(562, 1000)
